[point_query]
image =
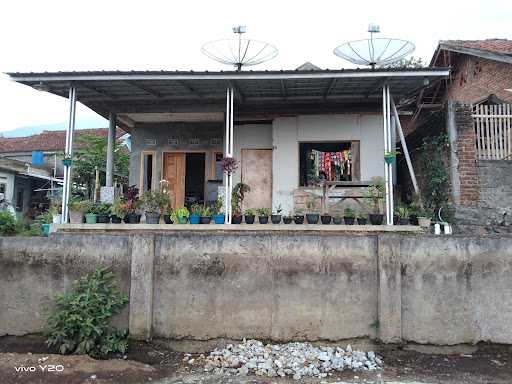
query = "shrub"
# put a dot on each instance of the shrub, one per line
(80, 321)
(7, 224)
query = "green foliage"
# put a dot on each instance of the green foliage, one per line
(119, 208)
(311, 205)
(155, 201)
(7, 224)
(206, 211)
(92, 155)
(80, 321)
(78, 204)
(402, 212)
(102, 209)
(264, 212)
(298, 212)
(218, 205)
(179, 212)
(196, 209)
(349, 212)
(435, 172)
(249, 212)
(237, 197)
(375, 193)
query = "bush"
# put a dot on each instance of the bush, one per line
(7, 224)
(80, 321)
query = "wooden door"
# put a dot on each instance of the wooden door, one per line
(174, 173)
(257, 173)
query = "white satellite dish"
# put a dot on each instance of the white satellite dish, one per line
(239, 52)
(374, 51)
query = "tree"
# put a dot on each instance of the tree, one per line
(93, 154)
(411, 62)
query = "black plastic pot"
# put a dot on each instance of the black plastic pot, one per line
(349, 220)
(326, 219)
(298, 219)
(102, 218)
(337, 220)
(152, 218)
(249, 219)
(167, 219)
(403, 221)
(287, 219)
(376, 218)
(132, 218)
(413, 220)
(263, 219)
(205, 219)
(312, 218)
(276, 219)
(237, 219)
(115, 219)
(362, 220)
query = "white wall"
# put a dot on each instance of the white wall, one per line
(8, 179)
(287, 132)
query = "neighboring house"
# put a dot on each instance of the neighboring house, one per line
(473, 107)
(287, 128)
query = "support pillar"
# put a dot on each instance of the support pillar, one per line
(110, 150)
(388, 146)
(68, 153)
(228, 150)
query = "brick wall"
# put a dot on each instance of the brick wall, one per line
(475, 78)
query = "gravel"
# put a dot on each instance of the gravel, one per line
(297, 360)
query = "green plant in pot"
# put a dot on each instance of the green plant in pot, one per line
(362, 218)
(55, 209)
(153, 204)
(312, 215)
(326, 218)
(180, 215)
(167, 214)
(390, 157)
(402, 212)
(77, 207)
(103, 213)
(349, 216)
(195, 213)
(219, 217)
(375, 193)
(276, 215)
(337, 219)
(263, 214)
(237, 198)
(298, 216)
(249, 216)
(118, 210)
(206, 215)
(424, 217)
(90, 215)
(288, 218)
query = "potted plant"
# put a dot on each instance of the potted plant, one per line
(287, 219)
(276, 215)
(55, 210)
(132, 204)
(263, 214)
(154, 203)
(361, 218)
(229, 165)
(249, 215)
(46, 220)
(337, 219)
(298, 216)
(375, 193)
(312, 215)
(390, 156)
(237, 197)
(219, 217)
(195, 214)
(103, 213)
(90, 215)
(326, 218)
(118, 210)
(349, 216)
(167, 214)
(180, 215)
(77, 208)
(206, 215)
(402, 212)
(424, 218)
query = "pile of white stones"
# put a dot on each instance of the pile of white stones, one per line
(293, 359)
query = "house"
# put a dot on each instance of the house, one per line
(286, 128)
(473, 106)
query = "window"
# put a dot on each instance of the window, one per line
(147, 171)
(217, 171)
(19, 200)
(330, 161)
(3, 187)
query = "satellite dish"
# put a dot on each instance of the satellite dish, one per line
(239, 52)
(374, 51)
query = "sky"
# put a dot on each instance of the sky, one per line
(55, 35)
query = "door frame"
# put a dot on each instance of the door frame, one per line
(142, 171)
(206, 152)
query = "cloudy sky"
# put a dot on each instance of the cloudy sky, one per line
(56, 35)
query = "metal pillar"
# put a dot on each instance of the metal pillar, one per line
(110, 150)
(68, 153)
(405, 149)
(228, 150)
(388, 146)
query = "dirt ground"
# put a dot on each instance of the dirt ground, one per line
(27, 360)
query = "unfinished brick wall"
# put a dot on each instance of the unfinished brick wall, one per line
(466, 151)
(475, 78)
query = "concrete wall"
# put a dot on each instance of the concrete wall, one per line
(275, 285)
(288, 132)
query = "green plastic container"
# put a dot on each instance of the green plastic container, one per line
(46, 230)
(90, 218)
